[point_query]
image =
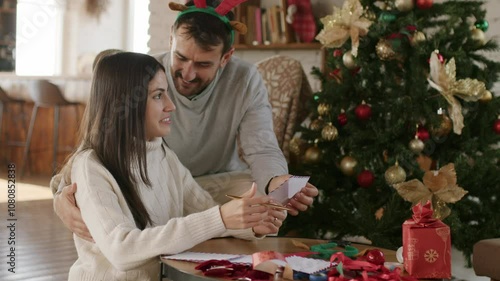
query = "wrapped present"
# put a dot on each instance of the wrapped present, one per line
(426, 245)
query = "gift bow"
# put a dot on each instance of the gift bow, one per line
(422, 214)
(443, 79)
(342, 24)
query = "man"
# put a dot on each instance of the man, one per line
(222, 105)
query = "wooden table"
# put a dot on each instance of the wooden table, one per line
(184, 271)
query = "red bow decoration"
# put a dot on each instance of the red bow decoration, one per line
(422, 214)
(223, 8)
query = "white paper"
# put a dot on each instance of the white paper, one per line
(288, 189)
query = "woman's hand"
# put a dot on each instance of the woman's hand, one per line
(245, 212)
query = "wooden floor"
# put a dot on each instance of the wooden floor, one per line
(44, 248)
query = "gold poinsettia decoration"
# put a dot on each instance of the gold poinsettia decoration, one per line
(342, 24)
(439, 187)
(443, 79)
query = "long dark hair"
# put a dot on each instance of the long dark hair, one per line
(113, 123)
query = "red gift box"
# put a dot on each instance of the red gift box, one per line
(426, 245)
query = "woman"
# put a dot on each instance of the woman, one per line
(136, 198)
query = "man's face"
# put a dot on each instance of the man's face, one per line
(193, 68)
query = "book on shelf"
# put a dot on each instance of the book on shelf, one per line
(265, 25)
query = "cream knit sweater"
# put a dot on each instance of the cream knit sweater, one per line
(183, 214)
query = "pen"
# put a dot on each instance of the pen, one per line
(272, 205)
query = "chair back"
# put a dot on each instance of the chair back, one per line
(289, 91)
(46, 94)
(4, 98)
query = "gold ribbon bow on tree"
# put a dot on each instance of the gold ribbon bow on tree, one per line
(342, 24)
(440, 187)
(443, 79)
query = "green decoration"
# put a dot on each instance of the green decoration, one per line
(482, 24)
(387, 17)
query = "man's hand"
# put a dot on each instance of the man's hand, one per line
(66, 209)
(302, 200)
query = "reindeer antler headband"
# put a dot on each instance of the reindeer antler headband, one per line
(219, 12)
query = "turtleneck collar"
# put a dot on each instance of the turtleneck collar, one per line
(154, 144)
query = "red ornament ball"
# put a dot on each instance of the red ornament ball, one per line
(375, 256)
(366, 178)
(422, 134)
(342, 119)
(363, 111)
(424, 4)
(496, 127)
(337, 53)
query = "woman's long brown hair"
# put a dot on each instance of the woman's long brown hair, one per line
(113, 124)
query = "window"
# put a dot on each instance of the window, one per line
(38, 37)
(140, 36)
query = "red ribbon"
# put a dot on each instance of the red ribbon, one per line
(422, 214)
(360, 270)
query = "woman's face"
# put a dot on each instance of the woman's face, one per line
(158, 107)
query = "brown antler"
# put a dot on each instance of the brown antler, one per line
(239, 26)
(177, 7)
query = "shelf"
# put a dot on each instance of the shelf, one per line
(289, 46)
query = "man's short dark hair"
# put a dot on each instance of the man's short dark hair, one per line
(207, 31)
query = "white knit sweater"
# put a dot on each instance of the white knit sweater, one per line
(183, 214)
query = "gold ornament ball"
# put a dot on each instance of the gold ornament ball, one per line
(329, 132)
(370, 15)
(444, 128)
(384, 50)
(349, 60)
(404, 5)
(313, 155)
(316, 125)
(478, 36)
(295, 145)
(395, 174)
(323, 108)
(347, 165)
(417, 38)
(487, 96)
(416, 145)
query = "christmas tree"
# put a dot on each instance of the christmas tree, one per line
(405, 98)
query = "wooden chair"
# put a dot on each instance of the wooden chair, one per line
(5, 103)
(47, 95)
(289, 91)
